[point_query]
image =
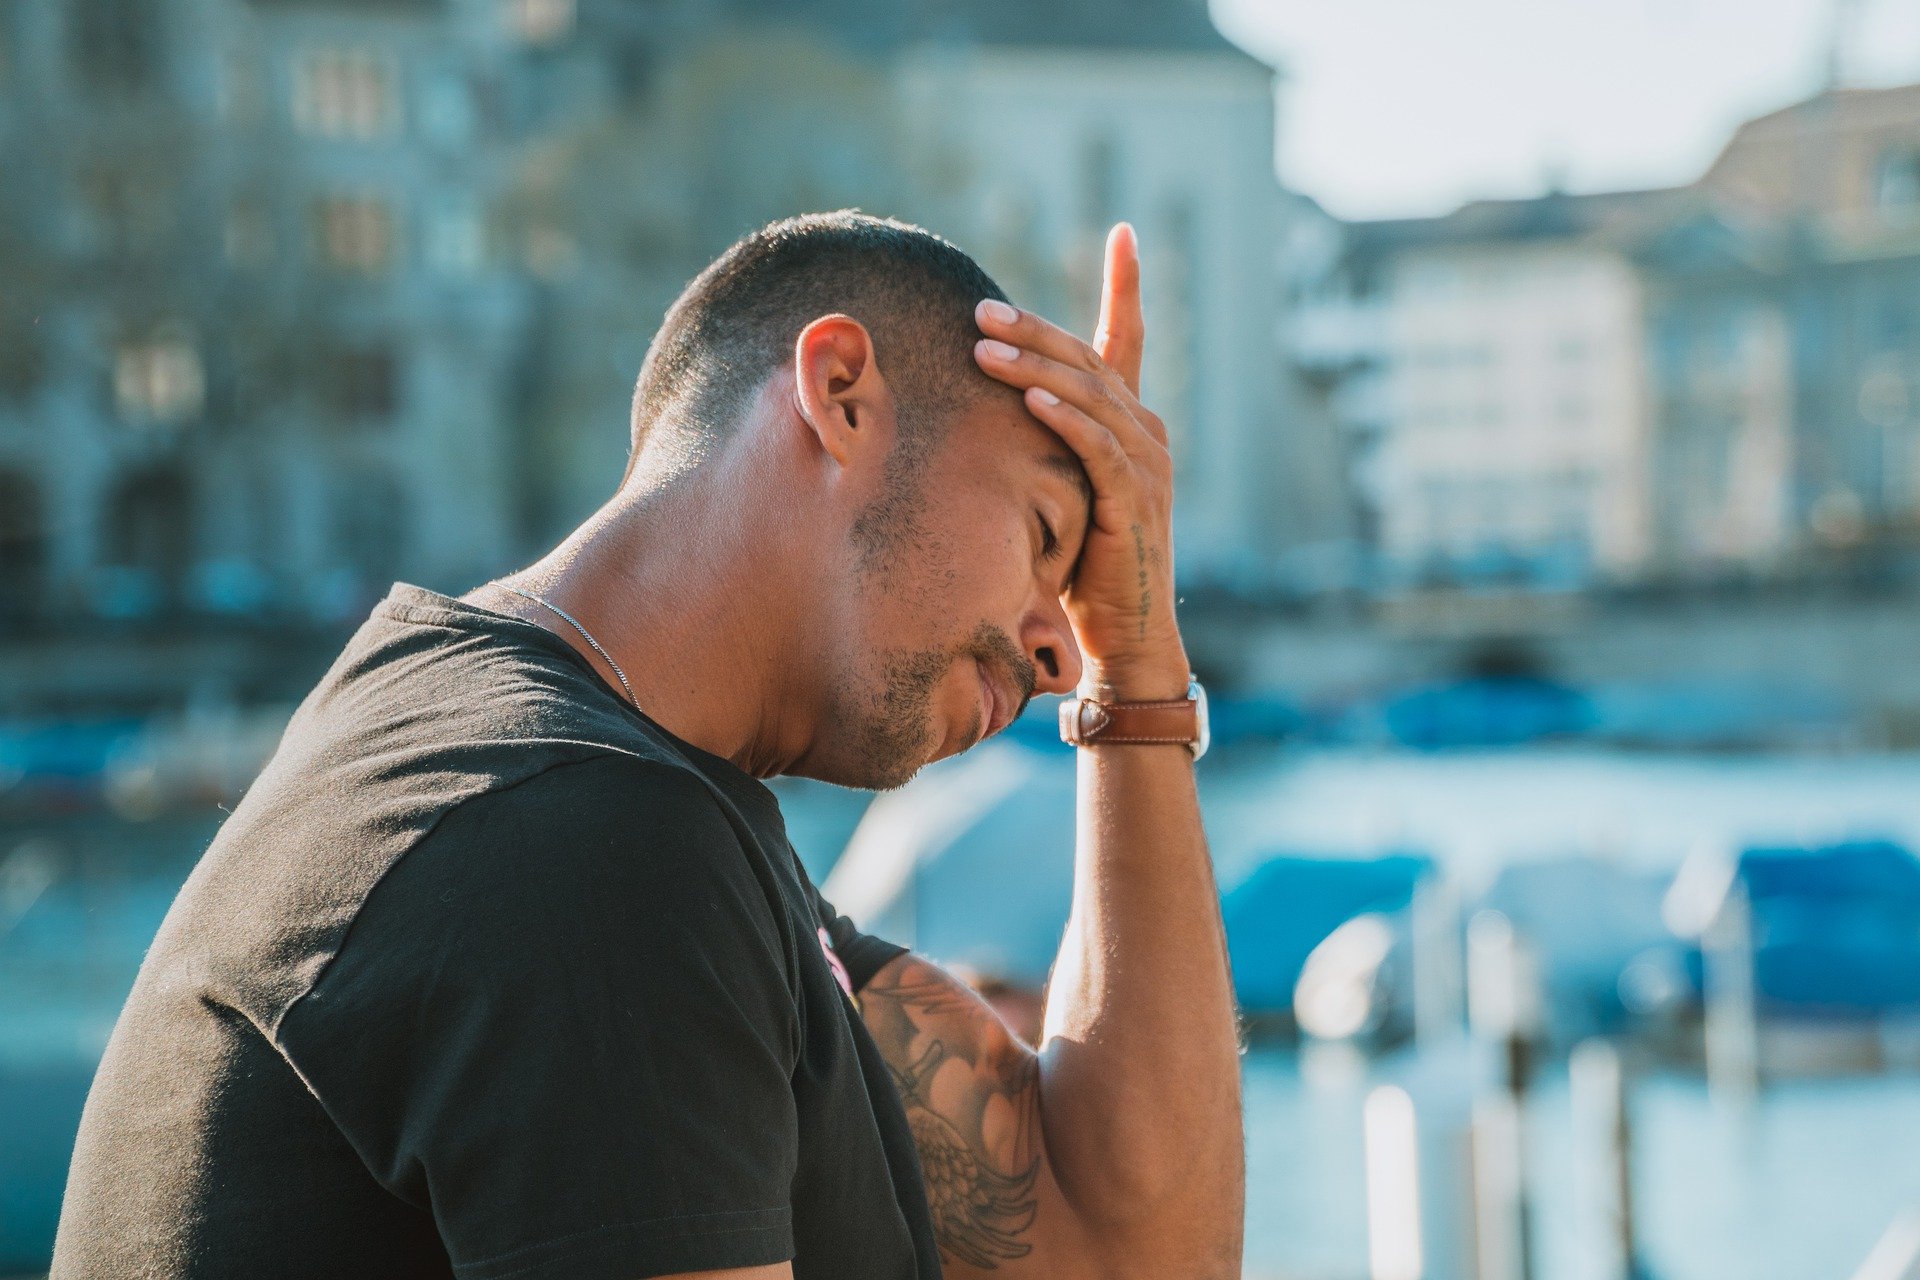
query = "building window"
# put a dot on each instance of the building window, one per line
(248, 234)
(355, 233)
(22, 547)
(149, 536)
(241, 98)
(1897, 182)
(456, 240)
(22, 358)
(540, 21)
(158, 379)
(126, 210)
(345, 93)
(445, 113)
(360, 383)
(116, 44)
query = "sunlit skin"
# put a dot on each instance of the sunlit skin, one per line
(754, 619)
(757, 629)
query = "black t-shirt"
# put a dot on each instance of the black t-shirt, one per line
(489, 976)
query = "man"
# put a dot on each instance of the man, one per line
(504, 969)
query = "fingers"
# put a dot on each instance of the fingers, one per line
(1094, 443)
(1035, 333)
(1121, 334)
(1093, 393)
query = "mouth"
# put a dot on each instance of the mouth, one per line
(993, 717)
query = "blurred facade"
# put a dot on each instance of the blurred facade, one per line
(307, 295)
(256, 362)
(1698, 384)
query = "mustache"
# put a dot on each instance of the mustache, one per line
(995, 648)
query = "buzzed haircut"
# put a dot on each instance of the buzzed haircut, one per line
(737, 322)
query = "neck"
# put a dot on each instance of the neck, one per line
(680, 592)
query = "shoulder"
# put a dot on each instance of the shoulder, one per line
(549, 977)
(598, 862)
(580, 829)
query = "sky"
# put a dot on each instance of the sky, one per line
(1405, 108)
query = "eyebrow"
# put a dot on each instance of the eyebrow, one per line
(1069, 466)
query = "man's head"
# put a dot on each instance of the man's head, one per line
(736, 323)
(830, 359)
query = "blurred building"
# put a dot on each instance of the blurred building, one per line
(307, 295)
(1513, 434)
(1839, 177)
(256, 362)
(1711, 381)
(1720, 380)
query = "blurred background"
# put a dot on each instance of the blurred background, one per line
(1544, 382)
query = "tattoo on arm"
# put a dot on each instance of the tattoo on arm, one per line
(1146, 591)
(971, 1092)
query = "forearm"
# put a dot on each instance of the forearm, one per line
(1140, 1080)
(1139, 1087)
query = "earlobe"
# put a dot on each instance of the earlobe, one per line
(837, 387)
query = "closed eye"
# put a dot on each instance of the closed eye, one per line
(1049, 542)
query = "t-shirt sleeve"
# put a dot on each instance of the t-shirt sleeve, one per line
(564, 1025)
(863, 954)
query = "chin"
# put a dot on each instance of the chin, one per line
(893, 782)
(866, 771)
(858, 779)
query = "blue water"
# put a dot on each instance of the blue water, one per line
(1799, 1189)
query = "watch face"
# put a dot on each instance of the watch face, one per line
(1198, 692)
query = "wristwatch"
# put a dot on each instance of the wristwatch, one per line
(1087, 723)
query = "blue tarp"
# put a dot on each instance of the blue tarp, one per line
(1288, 906)
(1486, 711)
(1878, 871)
(79, 751)
(1836, 928)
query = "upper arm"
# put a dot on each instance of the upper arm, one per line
(971, 1090)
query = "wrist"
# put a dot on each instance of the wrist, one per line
(1162, 678)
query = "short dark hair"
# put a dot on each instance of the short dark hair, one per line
(737, 322)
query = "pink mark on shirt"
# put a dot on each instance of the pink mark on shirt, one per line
(839, 970)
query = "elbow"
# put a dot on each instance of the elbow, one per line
(1184, 1215)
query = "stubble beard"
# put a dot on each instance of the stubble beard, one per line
(896, 732)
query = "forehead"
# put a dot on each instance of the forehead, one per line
(998, 429)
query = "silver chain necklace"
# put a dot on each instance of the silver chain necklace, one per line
(586, 635)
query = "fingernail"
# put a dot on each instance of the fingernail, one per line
(1044, 396)
(996, 310)
(997, 350)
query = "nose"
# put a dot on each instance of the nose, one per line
(1050, 646)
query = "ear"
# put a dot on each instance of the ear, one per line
(839, 391)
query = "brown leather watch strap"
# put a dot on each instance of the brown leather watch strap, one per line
(1084, 722)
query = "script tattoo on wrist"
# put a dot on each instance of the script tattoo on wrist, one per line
(971, 1092)
(1146, 589)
